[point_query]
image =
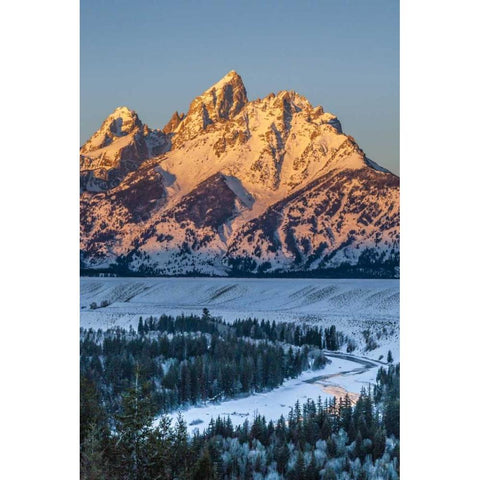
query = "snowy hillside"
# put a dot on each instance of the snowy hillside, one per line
(236, 187)
(354, 306)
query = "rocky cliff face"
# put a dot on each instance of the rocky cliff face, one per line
(235, 187)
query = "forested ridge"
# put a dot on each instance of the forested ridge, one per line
(130, 376)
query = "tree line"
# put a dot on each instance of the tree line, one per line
(287, 332)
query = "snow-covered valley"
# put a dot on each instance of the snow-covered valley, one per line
(367, 311)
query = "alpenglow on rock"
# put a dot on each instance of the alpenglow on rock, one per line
(236, 187)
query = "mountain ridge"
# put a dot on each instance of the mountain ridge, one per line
(263, 187)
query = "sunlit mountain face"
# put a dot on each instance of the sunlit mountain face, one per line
(236, 187)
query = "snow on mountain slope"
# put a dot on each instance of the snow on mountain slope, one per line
(235, 186)
(333, 220)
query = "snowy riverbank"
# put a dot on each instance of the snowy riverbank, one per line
(348, 375)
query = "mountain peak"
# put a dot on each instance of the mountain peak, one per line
(222, 101)
(225, 98)
(121, 122)
(124, 121)
(232, 77)
(124, 111)
(118, 147)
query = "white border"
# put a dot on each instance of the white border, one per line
(439, 263)
(39, 241)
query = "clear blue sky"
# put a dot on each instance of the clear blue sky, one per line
(156, 56)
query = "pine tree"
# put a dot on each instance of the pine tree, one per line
(281, 455)
(299, 468)
(378, 444)
(331, 447)
(180, 457)
(204, 469)
(392, 418)
(326, 429)
(92, 461)
(133, 431)
(311, 473)
(161, 441)
(389, 357)
(92, 415)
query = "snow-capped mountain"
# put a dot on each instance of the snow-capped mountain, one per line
(120, 146)
(234, 186)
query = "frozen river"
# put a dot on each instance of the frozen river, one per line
(341, 376)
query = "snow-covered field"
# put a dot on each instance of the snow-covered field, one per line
(353, 305)
(280, 299)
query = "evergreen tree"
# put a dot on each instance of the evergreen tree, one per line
(204, 469)
(161, 440)
(311, 473)
(298, 472)
(392, 418)
(92, 415)
(378, 444)
(281, 456)
(133, 432)
(389, 357)
(92, 461)
(180, 458)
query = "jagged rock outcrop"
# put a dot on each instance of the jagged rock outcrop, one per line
(173, 123)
